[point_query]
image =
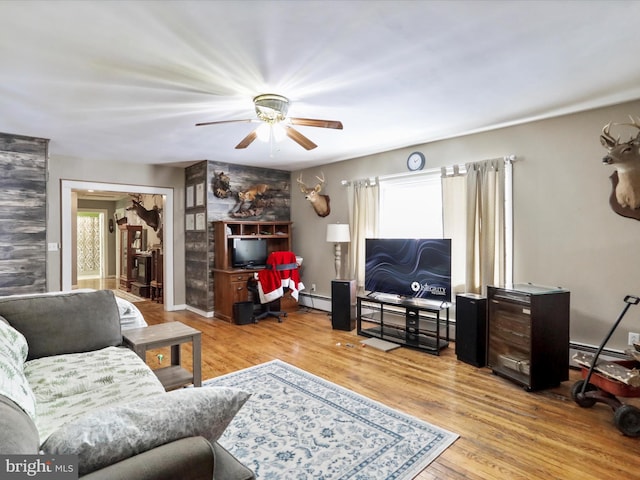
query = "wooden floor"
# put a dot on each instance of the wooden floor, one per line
(505, 432)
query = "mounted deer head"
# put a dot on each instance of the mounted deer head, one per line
(625, 157)
(320, 203)
(150, 217)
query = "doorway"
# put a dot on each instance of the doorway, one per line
(68, 214)
(91, 253)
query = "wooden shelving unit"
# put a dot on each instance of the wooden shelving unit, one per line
(130, 241)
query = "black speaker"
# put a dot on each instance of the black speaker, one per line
(343, 304)
(471, 329)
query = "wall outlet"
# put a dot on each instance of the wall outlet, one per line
(313, 287)
(634, 338)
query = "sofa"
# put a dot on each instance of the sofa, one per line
(69, 387)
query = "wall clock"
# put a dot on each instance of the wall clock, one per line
(415, 161)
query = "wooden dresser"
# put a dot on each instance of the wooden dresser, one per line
(528, 329)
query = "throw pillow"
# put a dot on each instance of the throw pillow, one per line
(13, 382)
(65, 322)
(12, 343)
(112, 434)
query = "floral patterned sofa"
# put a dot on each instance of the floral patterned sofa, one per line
(68, 387)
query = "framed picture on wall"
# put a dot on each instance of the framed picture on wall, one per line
(189, 222)
(199, 194)
(189, 199)
(200, 221)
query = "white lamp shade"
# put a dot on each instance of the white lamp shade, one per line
(263, 132)
(338, 233)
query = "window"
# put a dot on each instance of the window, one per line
(411, 207)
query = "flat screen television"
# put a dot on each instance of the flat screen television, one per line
(409, 267)
(249, 252)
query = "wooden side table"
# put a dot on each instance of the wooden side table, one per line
(172, 334)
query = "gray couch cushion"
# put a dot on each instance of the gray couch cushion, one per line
(65, 323)
(185, 459)
(18, 433)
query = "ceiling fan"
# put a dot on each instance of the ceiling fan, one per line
(272, 110)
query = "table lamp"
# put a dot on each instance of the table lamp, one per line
(338, 233)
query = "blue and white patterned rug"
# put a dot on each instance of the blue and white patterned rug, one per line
(298, 425)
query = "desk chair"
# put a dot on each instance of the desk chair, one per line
(279, 276)
(269, 309)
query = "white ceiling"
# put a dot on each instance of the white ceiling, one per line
(128, 80)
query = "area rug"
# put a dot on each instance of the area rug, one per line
(130, 297)
(298, 425)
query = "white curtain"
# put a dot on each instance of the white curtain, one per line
(363, 222)
(485, 252)
(454, 226)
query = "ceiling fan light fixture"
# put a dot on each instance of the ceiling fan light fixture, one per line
(263, 132)
(271, 131)
(278, 132)
(271, 108)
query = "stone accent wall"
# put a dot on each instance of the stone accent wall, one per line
(267, 197)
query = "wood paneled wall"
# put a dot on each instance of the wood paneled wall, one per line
(23, 214)
(268, 200)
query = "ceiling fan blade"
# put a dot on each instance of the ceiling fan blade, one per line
(300, 139)
(312, 122)
(246, 141)
(222, 121)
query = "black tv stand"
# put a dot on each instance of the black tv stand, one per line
(410, 322)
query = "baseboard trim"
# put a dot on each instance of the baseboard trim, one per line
(197, 311)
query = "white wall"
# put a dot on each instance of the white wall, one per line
(565, 233)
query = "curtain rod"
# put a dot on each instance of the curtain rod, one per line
(373, 180)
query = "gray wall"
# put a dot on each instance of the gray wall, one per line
(565, 232)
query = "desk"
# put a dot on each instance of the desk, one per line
(172, 334)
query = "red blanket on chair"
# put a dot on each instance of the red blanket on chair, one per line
(281, 272)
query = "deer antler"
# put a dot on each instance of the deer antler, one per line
(303, 187)
(634, 123)
(610, 142)
(606, 136)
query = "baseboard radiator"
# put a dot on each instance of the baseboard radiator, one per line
(317, 302)
(606, 354)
